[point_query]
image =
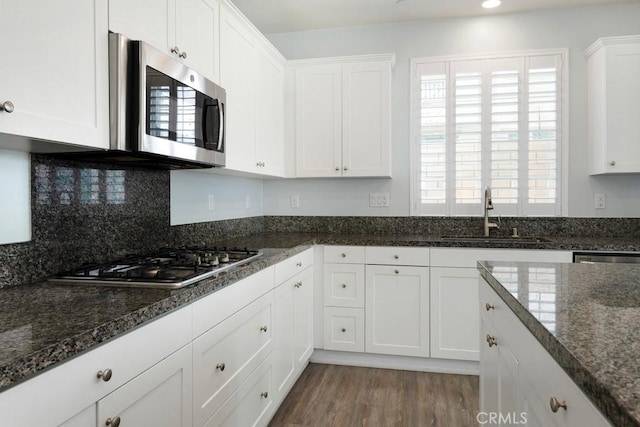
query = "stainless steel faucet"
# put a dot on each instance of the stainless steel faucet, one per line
(488, 205)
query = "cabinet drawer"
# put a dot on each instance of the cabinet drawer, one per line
(225, 356)
(251, 405)
(214, 308)
(289, 267)
(344, 285)
(159, 397)
(344, 329)
(126, 357)
(344, 254)
(397, 256)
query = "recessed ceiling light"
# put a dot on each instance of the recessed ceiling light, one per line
(490, 4)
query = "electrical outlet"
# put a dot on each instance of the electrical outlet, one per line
(295, 201)
(211, 202)
(378, 199)
(599, 201)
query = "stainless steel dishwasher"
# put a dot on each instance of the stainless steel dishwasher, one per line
(606, 257)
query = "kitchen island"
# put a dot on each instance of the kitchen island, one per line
(587, 318)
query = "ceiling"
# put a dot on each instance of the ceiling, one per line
(279, 16)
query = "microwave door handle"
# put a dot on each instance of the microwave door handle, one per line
(221, 129)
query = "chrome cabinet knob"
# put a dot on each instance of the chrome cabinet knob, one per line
(263, 328)
(343, 255)
(297, 285)
(344, 285)
(175, 50)
(299, 264)
(220, 367)
(397, 271)
(556, 405)
(489, 307)
(113, 422)
(7, 106)
(183, 55)
(612, 162)
(337, 168)
(345, 168)
(105, 375)
(264, 394)
(491, 340)
(396, 256)
(343, 330)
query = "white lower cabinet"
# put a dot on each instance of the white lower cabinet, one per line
(518, 377)
(294, 330)
(159, 397)
(397, 310)
(454, 313)
(454, 295)
(225, 356)
(251, 404)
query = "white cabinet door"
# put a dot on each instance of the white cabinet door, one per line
(397, 310)
(269, 136)
(160, 396)
(252, 73)
(489, 400)
(366, 114)
(293, 323)
(303, 317)
(55, 70)
(454, 313)
(282, 357)
(187, 27)
(237, 78)
(149, 20)
(196, 35)
(613, 84)
(318, 121)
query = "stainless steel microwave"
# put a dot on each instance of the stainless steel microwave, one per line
(162, 113)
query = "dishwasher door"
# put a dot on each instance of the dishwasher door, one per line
(606, 257)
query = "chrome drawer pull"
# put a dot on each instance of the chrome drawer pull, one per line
(105, 375)
(263, 328)
(489, 307)
(556, 405)
(220, 367)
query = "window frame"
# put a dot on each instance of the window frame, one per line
(415, 123)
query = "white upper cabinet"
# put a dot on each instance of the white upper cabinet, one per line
(342, 116)
(614, 105)
(252, 73)
(54, 74)
(185, 29)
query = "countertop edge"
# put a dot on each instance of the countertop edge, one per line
(588, 383)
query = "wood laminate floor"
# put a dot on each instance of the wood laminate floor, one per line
(345, 396)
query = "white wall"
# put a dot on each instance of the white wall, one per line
(233, 197)
(15, 199)
(574, 28)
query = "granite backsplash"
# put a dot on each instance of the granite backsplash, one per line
(86, 212)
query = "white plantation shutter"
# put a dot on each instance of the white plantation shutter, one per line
(488, 121)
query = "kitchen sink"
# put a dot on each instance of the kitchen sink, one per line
(483, 239)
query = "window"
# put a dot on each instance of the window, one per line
(493, 121)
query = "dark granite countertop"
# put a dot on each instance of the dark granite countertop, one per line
(589, 322)
(43, 324)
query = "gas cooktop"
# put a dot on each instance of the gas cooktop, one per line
(169, 268)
